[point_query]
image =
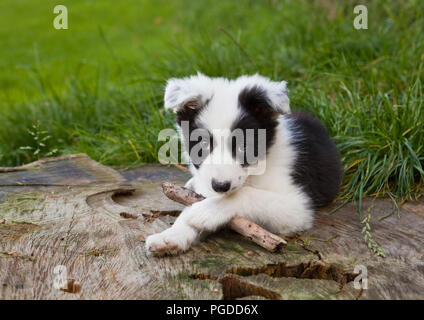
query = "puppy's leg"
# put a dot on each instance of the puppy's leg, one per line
(173, 240)
(277, 211)
(183, 233)
(281, 213)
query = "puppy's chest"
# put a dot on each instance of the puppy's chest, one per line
(277, 179)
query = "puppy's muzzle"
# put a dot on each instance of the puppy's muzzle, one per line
(221, 187)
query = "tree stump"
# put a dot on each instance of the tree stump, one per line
(71, 228)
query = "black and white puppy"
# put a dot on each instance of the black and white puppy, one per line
(295, 168)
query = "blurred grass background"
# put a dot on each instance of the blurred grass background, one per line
(97, 87)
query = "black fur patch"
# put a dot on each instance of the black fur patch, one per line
(189, 115)
(317, 168)
(257, 114)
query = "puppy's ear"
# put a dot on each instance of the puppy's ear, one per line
(278, 94)
(264, 96)
(186, 93)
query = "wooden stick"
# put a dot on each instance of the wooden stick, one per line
(243, 226)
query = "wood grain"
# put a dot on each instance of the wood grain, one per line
(92, 220)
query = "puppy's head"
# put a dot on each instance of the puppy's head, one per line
(226, 126)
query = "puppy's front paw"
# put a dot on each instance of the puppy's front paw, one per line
(171, 241)
(208, 216)
(159, 244)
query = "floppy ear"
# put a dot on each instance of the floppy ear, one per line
(278, 94)
(271, 96)
(190, 93)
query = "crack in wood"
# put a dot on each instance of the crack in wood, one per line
(161, 213)
(234, 288)
(17, 255)
(71, 286)
(99, 252)
(122, 193)
(304, 244)
(172, 213)
(313, 269)
(127, 215)
(155, 214)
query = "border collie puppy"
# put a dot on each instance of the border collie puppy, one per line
(295, 169)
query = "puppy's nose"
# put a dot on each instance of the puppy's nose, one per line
(221, 186)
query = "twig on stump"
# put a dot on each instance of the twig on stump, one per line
(243, 226)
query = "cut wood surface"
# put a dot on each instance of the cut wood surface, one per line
(71, 228)
(243, 226)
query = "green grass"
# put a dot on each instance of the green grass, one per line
(97, 87)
